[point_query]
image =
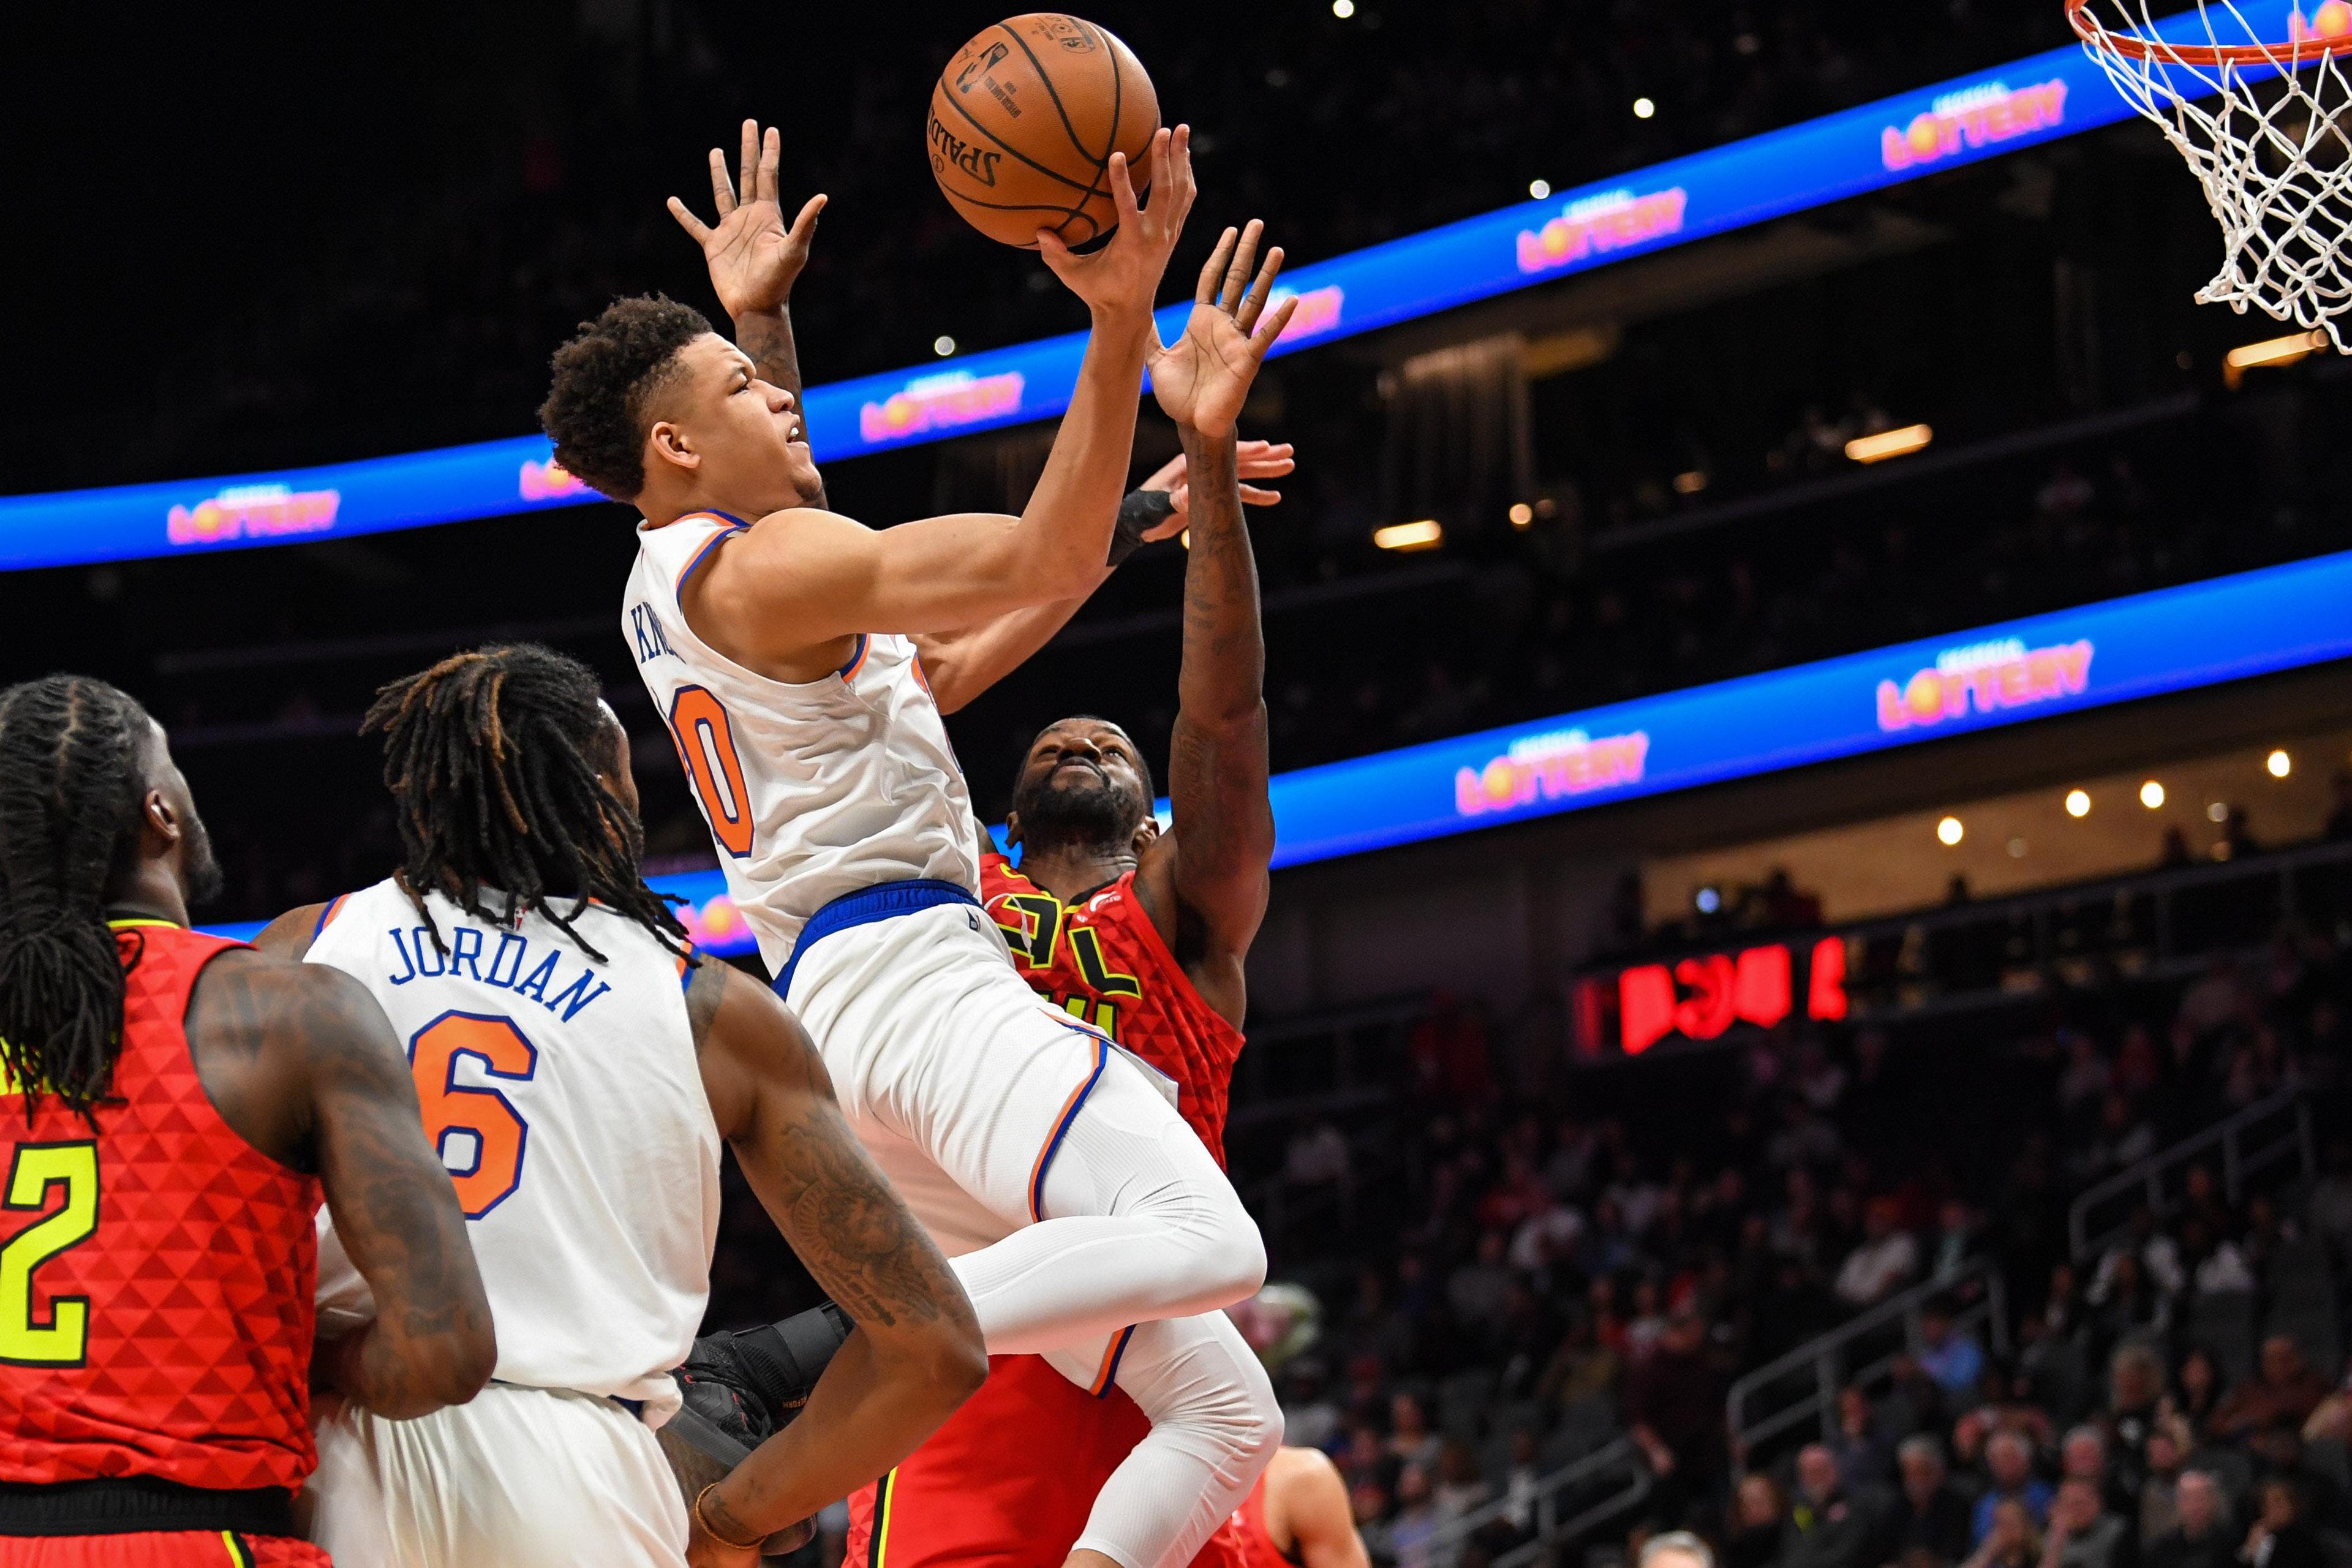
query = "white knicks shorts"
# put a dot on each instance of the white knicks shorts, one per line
(520, 1477)
(957, 1078)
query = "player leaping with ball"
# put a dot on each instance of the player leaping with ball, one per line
(804, 661)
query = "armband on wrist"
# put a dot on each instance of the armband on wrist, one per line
(1139, 514)
(703, 1513)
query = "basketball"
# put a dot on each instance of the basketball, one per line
(1025, 119)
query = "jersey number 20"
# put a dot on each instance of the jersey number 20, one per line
(463, 1116)
(64, 1340)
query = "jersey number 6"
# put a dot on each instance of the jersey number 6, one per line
(706, 747)
(463, 1116)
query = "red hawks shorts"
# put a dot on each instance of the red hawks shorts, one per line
(1009, 1481)
(160, 1548)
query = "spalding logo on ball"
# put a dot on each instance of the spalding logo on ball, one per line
(1023, 122)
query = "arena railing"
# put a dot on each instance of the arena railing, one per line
(1786, 1393)
(2254, 1140)
(2158, 925)
(1577, 1498)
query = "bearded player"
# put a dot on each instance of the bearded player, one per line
(1142, 933)
(173, 1106)
(804, 661)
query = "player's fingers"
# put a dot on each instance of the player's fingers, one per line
(771, 151)
(1122, 191)
(805, 225)
(1237, 269)
(1156, 166)
(1268, 330)
(1256, 300)
(747, 183)
(1213, 270)
(722, 189)
(1252, 496)
(1050, 247)
(688, 221)
(1180, 163)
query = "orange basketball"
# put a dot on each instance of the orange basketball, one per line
(1024, 121)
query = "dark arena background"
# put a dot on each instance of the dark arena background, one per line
(1806, 990)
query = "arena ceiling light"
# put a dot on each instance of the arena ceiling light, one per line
(1426, 534)
(1949, 832)
(1643, 108)
(2078, 802)
(1888, 444)
(1522, 514)
(943, 345)
(1538, 189)
(2271, 352)
(2279, 763)
(2151, 794)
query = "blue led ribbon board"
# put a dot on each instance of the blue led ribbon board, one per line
(2173, 639)
(1978, 116)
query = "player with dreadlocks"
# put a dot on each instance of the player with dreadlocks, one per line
(172, 1107)
(579, 1067)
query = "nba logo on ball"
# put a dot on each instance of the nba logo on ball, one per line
(1022, 124)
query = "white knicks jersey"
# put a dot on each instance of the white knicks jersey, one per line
(812, 789)
(564, 1093)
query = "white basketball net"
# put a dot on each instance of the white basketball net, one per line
(2263, 126)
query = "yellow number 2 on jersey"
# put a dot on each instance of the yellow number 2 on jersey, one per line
(64, 1340)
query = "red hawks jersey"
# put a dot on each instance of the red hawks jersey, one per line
(1249, 1528)
(1102, 960)
(1009, 1480)
(155, 1273)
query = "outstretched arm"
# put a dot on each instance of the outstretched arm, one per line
(431, 1343)
(754, 260)
(804, 578)
(1215, 863)
(916, 1355)
(960, 665)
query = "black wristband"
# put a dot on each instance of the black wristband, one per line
(1139, 514)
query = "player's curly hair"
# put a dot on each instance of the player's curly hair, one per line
(491, 757)
(604, 378)
(70, 787)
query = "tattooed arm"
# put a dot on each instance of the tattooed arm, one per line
(1205, 883)
(916, 1355)
(303, 1064)
(431, 1343)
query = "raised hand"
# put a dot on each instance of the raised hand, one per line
(1123, 277)
(1202, 378)
(1253, 460)
(754, 257)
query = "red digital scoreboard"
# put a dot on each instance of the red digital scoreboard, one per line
(1701, 997)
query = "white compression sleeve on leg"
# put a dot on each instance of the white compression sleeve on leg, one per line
(1214, 1426)
(1140, 1226)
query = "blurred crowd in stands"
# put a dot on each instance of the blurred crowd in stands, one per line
(1581, 1261)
